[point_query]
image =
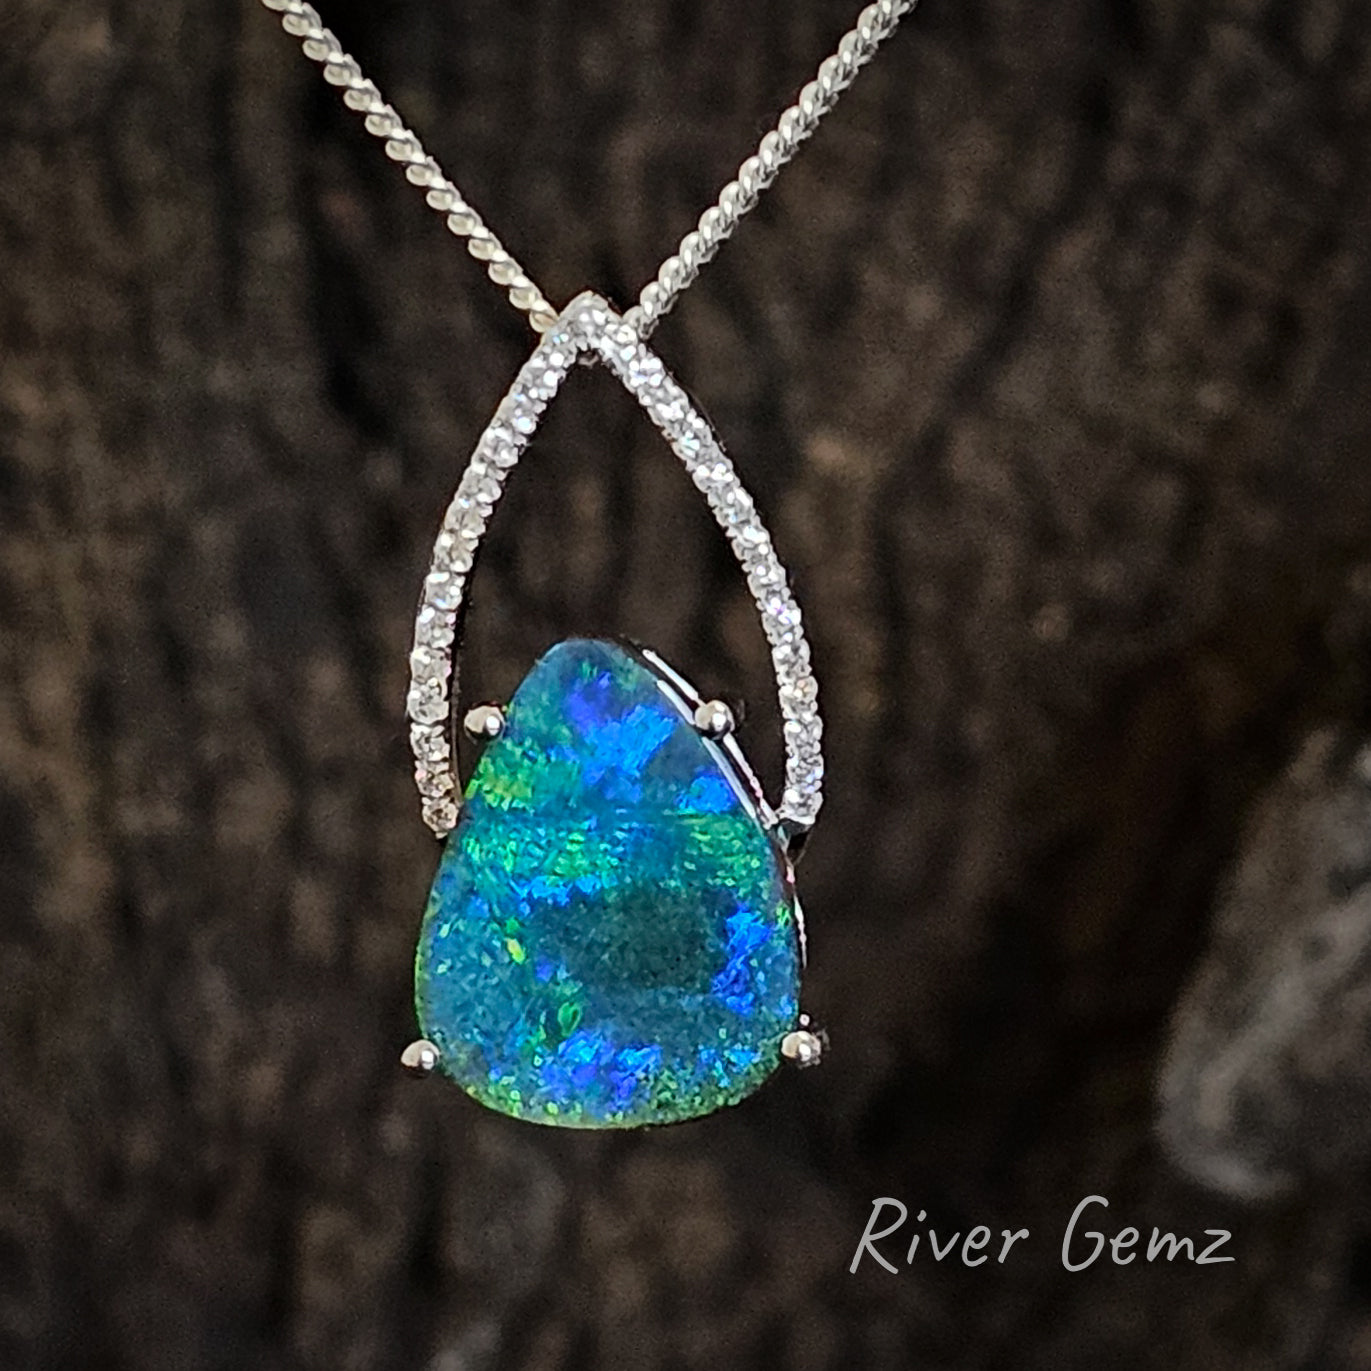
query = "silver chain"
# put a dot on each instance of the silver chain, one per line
(836, 73)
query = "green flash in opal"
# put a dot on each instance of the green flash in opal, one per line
(611, 938)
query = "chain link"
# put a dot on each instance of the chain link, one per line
(739, 197)
(836, 73)
(302, 21)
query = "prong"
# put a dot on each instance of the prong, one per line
(804, 1047)
(484, 723)
(419, 1058)
(714, 719)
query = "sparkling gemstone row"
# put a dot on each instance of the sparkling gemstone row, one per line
(589, 325)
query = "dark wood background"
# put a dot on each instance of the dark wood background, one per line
(1049, 363)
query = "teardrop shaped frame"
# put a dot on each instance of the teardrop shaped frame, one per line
(589, 328)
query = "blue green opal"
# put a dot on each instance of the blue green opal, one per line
(611, 936)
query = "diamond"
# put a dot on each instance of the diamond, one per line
(440, 815)
(427, 665)
(433, 785)
(427, 703)
(644, 369)
(434, 630)
(430, 744)
(444, 590)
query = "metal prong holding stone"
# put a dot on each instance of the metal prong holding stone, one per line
(714, 719)
(419, 1058)
(802, 1047)
(484, 723)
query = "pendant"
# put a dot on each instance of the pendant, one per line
(612, 938)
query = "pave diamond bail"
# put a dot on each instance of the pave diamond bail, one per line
(589, 328)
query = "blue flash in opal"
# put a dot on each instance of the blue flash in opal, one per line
(611, 938)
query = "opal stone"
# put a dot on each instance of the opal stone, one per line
(611, 938)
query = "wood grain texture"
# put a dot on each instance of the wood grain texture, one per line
(1048, 361)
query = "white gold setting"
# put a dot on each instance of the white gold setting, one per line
(590, 328)
(803, 1047)
(484, 722)
(714, 719)
(420, 1058)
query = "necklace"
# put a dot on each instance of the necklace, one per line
(613, 936)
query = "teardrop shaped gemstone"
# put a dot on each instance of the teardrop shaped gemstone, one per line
(611, 938)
